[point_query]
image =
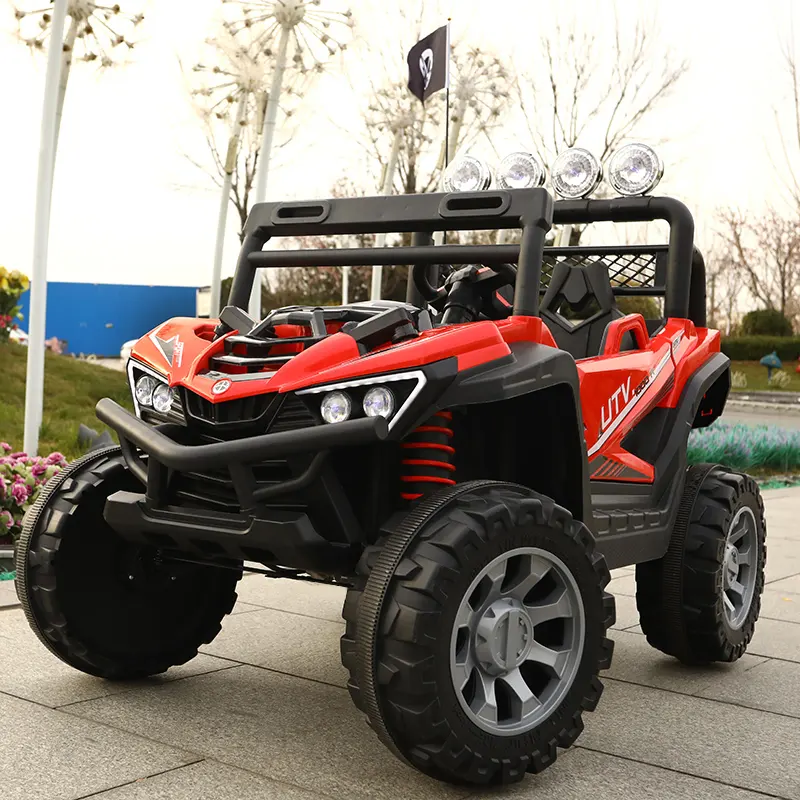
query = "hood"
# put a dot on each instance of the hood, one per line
(184, 351)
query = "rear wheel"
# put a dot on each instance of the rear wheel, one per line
(475, 642)
(99, 603)
(700, 602)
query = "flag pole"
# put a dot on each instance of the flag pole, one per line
(440, 237)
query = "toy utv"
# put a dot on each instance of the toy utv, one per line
(469, 464)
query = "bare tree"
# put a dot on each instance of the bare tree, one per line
(725, 284)
(585, 84)
(765, 251)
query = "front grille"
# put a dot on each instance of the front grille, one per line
(632, 267)
(245, 410)
(293, 415)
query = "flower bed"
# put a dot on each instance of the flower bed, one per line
(21, 479)
(746, 447)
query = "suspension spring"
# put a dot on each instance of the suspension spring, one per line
(428, 457)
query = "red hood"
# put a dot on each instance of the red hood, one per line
(181, 348)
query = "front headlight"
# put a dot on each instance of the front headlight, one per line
(635, 169)
(145, 387)
(163, 397)
(379, 402)
(336, 407)
(467, 174)
(366, 397)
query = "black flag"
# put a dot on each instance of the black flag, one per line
(428, 64)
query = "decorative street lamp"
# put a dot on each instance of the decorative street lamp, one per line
(94, 32)
(293, 32)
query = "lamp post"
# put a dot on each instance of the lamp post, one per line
(298, 34)
(94, 28)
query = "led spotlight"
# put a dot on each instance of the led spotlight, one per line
(520, 171)
(467, 174)
(635, 169)
(576, 173)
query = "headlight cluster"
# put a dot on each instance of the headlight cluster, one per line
(151, 393)
(338, 407)
(633, 170)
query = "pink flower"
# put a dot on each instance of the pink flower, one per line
(18, 456)
(6, 520)
(5, 446)
(55, 458)
(20, 493)
(38, 469)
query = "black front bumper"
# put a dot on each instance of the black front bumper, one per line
(258, 533)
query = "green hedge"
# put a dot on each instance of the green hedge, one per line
(754, 348)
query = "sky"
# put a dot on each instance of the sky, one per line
(128, 207)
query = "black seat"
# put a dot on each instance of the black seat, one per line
(577, 307)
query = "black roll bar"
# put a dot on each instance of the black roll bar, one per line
(532, 210)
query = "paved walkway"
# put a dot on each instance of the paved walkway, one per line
(263, 713)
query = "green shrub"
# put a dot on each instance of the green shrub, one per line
(762, 447)
(766, 322)
(754, 348)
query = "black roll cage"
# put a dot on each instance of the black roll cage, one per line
(531, 210)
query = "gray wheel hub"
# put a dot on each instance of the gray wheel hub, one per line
(739, 567)
(517, 641)
(503, 636)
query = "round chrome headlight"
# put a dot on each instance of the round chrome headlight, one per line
(467, 174)
(379, 402)
(635, 169)
(145, 387)
(520, 171)
(163, 397)
(336, 407)
(576, 173)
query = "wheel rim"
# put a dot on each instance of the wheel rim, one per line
(517, 641)
(739, 568)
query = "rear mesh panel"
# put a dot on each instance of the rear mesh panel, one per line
(634, 268)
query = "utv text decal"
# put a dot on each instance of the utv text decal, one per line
(615, 415)
(613, 406)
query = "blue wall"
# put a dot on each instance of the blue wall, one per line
(99, 317)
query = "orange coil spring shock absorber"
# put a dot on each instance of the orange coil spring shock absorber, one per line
(428, 456)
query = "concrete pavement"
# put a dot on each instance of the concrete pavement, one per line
(263, 713)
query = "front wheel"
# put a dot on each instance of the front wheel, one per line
(475, 643)
(99, 603)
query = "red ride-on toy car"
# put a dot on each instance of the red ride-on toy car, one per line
(469, 467)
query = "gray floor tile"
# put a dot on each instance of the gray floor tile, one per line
(776, 639)
(780, 604)
(311, 599)
(244, 608)
(8, 594)
(207, 780)
(586, 774)
(288, 643)
(285, 728)
(636, 661)
(771, 685)
(627, 615)
(738, 746)
(623, 584)
(29, 670)
(791, 584)
(52, 755)
(783, 562)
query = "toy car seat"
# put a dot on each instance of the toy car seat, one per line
(577, 290)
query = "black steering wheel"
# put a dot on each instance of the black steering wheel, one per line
(465, 293)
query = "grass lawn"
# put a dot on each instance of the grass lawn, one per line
(757, 376)
(71, 391)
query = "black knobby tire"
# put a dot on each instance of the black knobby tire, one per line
(397, 651)
(103, 606)
(680, 596)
